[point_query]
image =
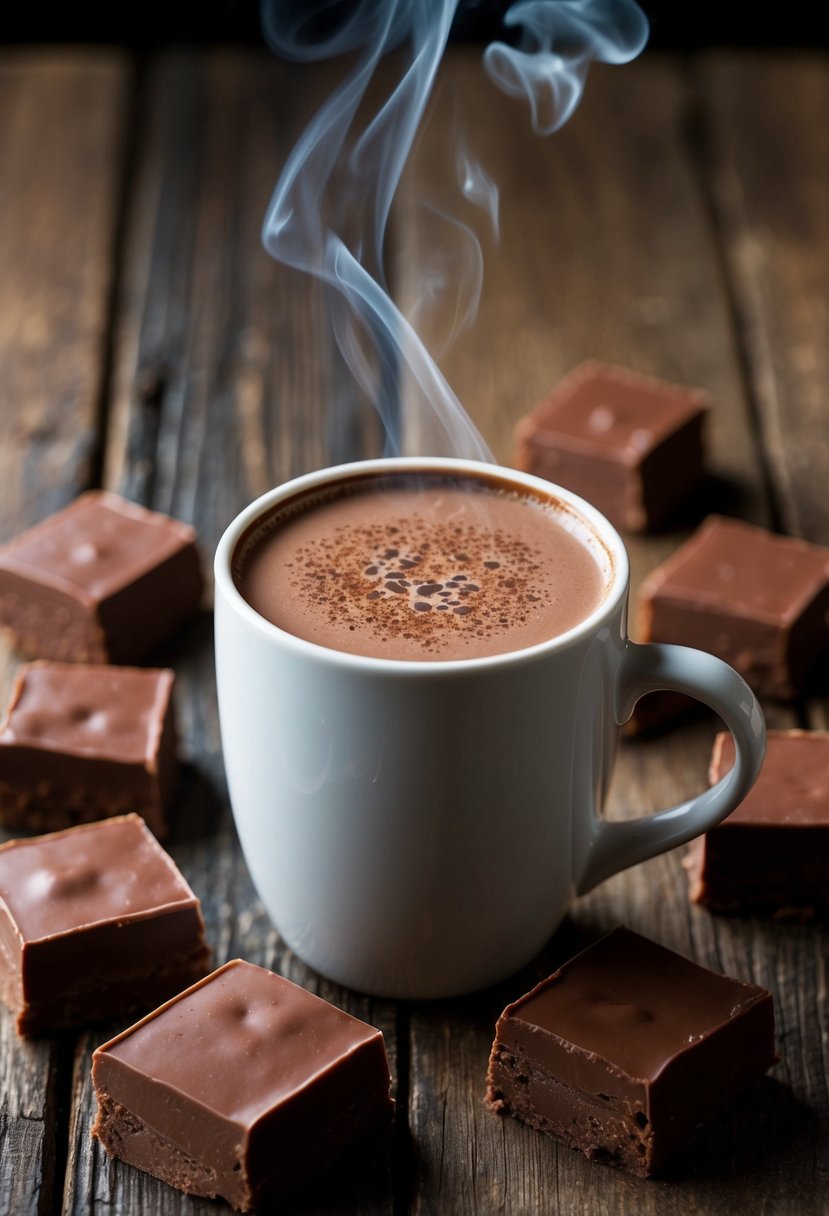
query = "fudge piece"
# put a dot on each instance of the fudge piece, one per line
(94, 921)
(102, 581)
(80, 743)
(629, 444)
(291, 1080)
(772, 853)
(758, 600)
(628, 1049)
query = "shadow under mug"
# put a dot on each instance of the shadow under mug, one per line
(419, 829)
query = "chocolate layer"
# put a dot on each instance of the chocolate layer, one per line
(94, 920)
(242, 1086)
(627, 1049)
(771, 855)
(758, 600)
(629, 444)
(102, 581)
(80, 743)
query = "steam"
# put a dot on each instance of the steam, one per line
(553, 80)
(330, 209)
(476, 186)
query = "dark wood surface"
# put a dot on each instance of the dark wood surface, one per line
(679, 224)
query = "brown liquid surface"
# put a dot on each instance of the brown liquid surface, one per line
(439, 570)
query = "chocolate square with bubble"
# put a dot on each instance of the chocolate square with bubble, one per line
(244, 1086)
(757, 600)
(102, 581)
(80, 743)
(95, 921)
(630, 444)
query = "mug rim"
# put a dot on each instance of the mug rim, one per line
(617, 588)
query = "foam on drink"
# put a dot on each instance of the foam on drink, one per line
(421, 567)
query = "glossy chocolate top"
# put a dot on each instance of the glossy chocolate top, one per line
(793, 787)
(632, 1004)
(95, 874)
(95, 546)
(112, 712)
(620, 412)
(746, 570)
(240, 1042)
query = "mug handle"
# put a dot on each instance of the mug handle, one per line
(659, 666)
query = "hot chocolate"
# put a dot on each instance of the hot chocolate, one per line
(422, 566)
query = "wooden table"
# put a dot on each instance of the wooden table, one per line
(679, 224)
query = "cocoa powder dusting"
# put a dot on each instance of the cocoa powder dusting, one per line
(432, 573)
(340, 574)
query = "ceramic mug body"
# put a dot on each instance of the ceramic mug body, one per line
(419, 829)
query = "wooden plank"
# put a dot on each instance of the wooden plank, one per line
(225, 376)
(591, 262)
(221, 389)
(770, 184)
(216, 348)
(607, 251)
(769, 169)
(62, 117)
(61, 139)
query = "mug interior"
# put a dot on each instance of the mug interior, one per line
(277, 507)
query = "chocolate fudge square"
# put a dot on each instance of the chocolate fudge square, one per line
(80, 743)
(629, 444)
(627, 1050)
(243, 1086)
(102, 581)
(94, 921)
(771, 855)
(758, 600)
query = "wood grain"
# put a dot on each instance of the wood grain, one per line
(61, 134)
(677, 225)
(224, 374)
(770, 178)
(608, 250)
(770, 184)
(221, 390)
(62, 127)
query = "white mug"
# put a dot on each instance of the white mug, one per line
(419, 829)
